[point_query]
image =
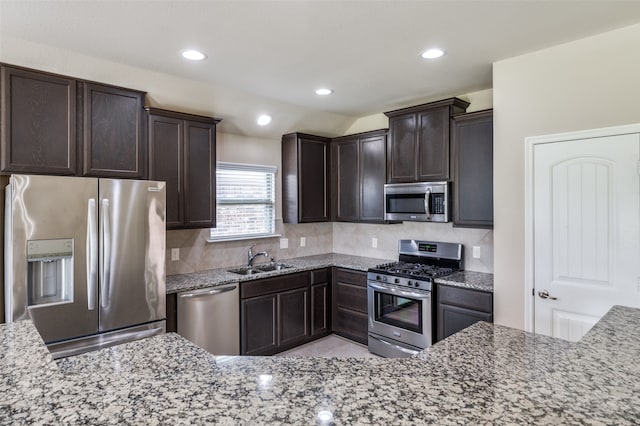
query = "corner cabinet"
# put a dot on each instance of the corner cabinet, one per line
(472, 164)
(182, 152)
(358, 164)
(458, 308)
(58, 125)
(418, 143)
(305, 182)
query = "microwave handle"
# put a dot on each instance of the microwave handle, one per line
(427, 198)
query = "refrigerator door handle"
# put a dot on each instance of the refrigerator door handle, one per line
(92, 253)
(106, 253)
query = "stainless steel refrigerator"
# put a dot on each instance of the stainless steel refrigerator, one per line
(85, 259)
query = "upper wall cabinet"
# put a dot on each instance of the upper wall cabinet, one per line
(472, 163)
(39, 115)
(113, 142)
(58, 125)
(182, 152)
(305, 183)
(358, 175)
(418, 143)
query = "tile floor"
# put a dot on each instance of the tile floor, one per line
(331, 346)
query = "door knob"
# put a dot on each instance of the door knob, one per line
(544, 294)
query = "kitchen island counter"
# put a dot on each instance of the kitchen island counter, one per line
(485, 374)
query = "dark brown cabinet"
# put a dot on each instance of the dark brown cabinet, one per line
(113, 143)
(59, 125)
(305, 183)
(358, 177)
(458, 308)
(472, 164)
(282, 312)
(172, 313)
(38, 123)
(349, 316)
(418, 143)
(182, 152)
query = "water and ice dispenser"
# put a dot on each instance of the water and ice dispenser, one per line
(50, 271)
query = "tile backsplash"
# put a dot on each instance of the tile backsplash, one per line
(196, 254)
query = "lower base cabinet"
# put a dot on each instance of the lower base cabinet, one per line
(172, 313)
(350, 317)
(279, 313)
(458, 308)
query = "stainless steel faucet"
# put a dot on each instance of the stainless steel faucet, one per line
(251, 257)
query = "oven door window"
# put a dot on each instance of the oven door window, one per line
(398, 311)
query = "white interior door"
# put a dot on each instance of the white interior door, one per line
(586, 231)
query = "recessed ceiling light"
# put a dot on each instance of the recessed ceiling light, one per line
(323, 92)
(432, 53)
(193, 55)
(264, 119)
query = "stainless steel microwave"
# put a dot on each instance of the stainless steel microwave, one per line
(420, 201)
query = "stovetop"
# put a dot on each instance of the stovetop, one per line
(412, 270)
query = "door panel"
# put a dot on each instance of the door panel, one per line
(347, 188)
(132, 258)
(587, 231)
(39, 215)
(372, 178)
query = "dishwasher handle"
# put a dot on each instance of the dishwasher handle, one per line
(207, 292)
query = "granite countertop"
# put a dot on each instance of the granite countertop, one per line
(214, 277)
(486, 374)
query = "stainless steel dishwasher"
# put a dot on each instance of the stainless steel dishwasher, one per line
(210, 318)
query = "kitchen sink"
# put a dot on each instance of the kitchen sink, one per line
(258, 269)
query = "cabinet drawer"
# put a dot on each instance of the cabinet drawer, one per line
(320, 276)
(274, 284)
(351, 297)
(351, 324)
(470, 299)
(351, 277)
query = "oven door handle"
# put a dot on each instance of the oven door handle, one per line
(397, 291)
(396, 347)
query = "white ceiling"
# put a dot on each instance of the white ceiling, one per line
(280, 51)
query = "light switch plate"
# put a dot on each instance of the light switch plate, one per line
(476, 252)
(284, 243)
(303, 241)
(175, 254)
(374, 242)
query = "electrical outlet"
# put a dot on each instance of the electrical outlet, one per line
(175, 254)
(284, 243)
(476, 252)
(374, 242)
(303, 241)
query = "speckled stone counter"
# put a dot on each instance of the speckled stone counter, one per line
(486, 374)
(215, 277)
(469, 279)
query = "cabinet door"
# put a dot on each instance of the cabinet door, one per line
(172, 313)
(472, 151)
(320, 309)
(165, 162)
(259, 325)
(200, 174)
(346, 193)
(433, 144)
(401, 150)
(293, 317)
(452, 319)
(38, 122)
(313, 191)
(113, 142)
(372, 178)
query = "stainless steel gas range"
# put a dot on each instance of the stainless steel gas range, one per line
(399, 294)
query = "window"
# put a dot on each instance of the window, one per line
(245, 197)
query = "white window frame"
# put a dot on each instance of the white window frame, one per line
(220, 201)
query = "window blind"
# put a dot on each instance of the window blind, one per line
(245, 197)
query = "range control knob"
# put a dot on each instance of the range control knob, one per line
(384, 278)
(409, 283)
(377, 277)
(397, 280)
(417, 284)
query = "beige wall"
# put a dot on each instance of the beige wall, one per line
(589, 83)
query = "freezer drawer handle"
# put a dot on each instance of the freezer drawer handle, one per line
(207, 293)
(92, 251)
(106, 253)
